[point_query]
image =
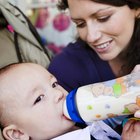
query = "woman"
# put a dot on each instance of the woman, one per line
(109, 44)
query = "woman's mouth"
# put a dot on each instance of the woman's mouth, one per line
(102, 48)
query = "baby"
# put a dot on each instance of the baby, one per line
(31, 107)
(31, 103)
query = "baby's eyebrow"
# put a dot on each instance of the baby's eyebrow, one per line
(52, 77)
(33, 92)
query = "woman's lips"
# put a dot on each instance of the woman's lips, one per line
(102, 48)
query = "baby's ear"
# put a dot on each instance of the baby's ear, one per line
(11, 132)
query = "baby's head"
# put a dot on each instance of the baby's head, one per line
(31, 103)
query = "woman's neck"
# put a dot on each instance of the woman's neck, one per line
(116, 66)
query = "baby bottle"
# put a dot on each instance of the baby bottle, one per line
(103, 100)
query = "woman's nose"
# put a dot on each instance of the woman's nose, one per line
(93, 33)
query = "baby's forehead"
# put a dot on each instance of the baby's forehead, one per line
(21, 76)
(8, 99)
(30, 69)
(26, 71)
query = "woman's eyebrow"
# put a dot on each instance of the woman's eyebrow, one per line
(94, 14)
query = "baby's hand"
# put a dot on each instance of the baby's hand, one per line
(131, 130)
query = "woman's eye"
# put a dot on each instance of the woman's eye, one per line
(103, 19)
(80, 25)
(39, 99)
(55, 84)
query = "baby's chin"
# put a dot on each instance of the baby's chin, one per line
(68, 125)
(62, 132)
(68, 121)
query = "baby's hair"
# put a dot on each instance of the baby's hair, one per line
(7, 67)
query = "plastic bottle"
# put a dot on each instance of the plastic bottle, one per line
(103, 100)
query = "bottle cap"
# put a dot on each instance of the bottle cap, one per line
(72, 108)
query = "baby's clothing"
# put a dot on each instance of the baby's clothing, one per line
(99, 130)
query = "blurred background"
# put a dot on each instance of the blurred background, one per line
(54, 26)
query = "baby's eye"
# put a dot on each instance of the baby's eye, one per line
(55, 84)
(39, 99)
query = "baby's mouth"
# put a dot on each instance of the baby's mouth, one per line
(66, 118)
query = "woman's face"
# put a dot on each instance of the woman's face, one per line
(107, 29)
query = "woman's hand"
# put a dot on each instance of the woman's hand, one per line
(131, 130)
(136, 69)
(137, 114)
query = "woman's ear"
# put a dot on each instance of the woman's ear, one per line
(138, 13)
(11, 132)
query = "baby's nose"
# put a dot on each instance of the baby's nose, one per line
(59, 96)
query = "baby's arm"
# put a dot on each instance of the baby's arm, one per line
(131, 130)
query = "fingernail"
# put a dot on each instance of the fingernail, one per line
(137, 114)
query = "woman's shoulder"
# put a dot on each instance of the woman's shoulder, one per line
(74, 56)
(75, 47)
(74, 51)
(77, 57)
(73, 66)
(79, 65)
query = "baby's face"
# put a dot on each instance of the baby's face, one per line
(38, 101)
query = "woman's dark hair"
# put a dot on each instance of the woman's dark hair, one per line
(132, 56)
(63, 4)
